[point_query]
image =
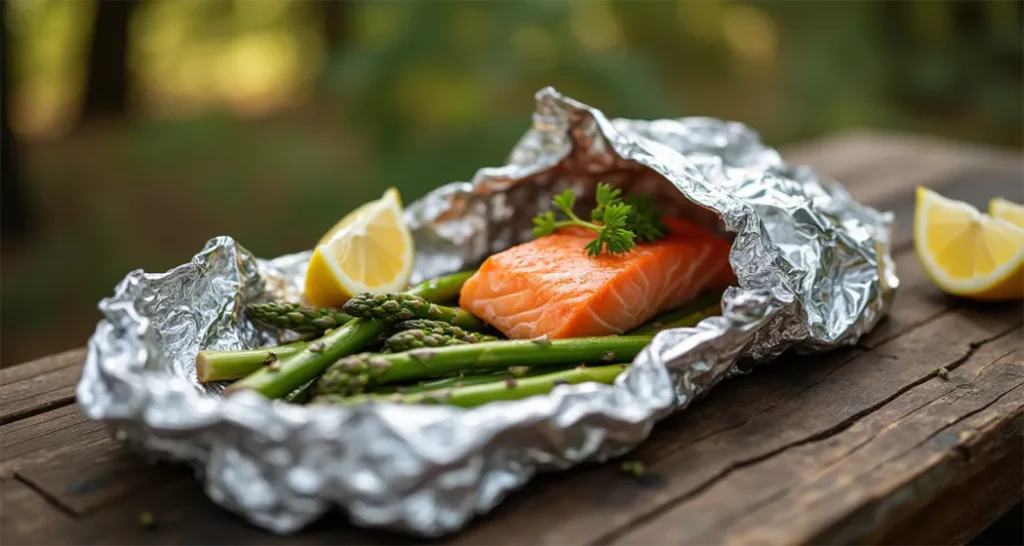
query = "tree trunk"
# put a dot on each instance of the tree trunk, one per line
(14, 212)
(335, 16)
(107, 81)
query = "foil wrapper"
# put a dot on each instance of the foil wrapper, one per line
(814, 268)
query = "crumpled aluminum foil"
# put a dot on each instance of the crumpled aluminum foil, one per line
(814, 268)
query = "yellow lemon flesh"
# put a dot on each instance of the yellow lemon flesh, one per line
(1007, 210)
(967, 253)
(370, 250)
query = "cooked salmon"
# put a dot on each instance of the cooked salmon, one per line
(550, 286)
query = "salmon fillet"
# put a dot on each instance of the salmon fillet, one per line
(550, 286)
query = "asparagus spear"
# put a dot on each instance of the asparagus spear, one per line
(297, 317)
(221, 365)
(418, 339)
(475, 394)
(352, 374)
(291, 372)
(394, 308)
(433, 326)
(463, 380)
(688, 314)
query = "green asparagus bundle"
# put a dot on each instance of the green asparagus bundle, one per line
(489, 390)
(353, 374)
(394, 308)
(283, 376)
(296, 317)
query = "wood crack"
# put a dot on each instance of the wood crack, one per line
(43, 408)
(959, 449)
(50, 499)
(616, 533)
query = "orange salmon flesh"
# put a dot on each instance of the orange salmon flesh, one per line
(550, 286)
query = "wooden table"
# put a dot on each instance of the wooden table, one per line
(858, 445)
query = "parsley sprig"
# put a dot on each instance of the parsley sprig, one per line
(618, 225)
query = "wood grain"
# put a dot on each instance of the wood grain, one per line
(45, 437)
(27, 518)
(95, 473)
(776, 501)
(40, 385)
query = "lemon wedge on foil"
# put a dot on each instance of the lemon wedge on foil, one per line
(369, 250)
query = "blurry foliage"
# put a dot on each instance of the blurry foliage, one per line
(268, 120)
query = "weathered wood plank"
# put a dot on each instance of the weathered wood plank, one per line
(183, 515)
(26, 516)
(40, 385)
(94, 473)
(836, 463)
(849, 155)
(45, 437)
(74, 462)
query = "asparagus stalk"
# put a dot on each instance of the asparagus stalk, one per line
(222, 365)
(394, 308)
(291, 372)
(491, 390)
(423, 338)
(688, 314)
(462, 380)
(352, 374)
(297, 317)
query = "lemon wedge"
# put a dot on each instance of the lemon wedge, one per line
(967, 253)
(369, 250)
(1005, 209)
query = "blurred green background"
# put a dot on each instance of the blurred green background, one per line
(135, 130)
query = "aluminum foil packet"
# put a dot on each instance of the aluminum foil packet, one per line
(814, 268)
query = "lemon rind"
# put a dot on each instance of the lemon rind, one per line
(968, 286)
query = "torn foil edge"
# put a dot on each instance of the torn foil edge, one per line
(815, 273)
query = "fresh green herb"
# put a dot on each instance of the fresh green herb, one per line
(635, 468)
(942, 372)
(620, 225)
(645, 220)
(147, 520)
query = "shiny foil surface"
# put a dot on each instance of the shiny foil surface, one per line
(815, 273)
